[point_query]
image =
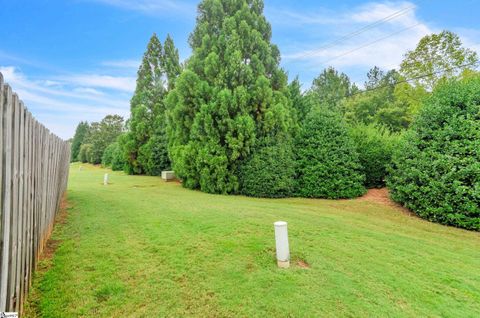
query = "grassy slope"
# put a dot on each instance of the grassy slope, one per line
(144, 248)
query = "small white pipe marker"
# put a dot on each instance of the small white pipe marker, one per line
(105, 179)
(281, 242)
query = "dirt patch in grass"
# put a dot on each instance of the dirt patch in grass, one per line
(52, 244)
(303, 264)
(382, 196)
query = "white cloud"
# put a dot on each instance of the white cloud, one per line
(125, 84)
(382, 44)
(152, 7)
(88, 90)
(133, 64)
(61, 103)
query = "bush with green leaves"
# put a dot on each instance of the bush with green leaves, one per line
(269, 172)
(85, 153)
(375, 145)
(153, 155)
(328, 165)
(118, 158)
(436, 171)
(108, 154)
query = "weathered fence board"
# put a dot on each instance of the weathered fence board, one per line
(33, 178)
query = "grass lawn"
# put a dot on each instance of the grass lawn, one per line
(144, 248)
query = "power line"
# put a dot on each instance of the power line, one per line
(359, 31)
(412, 79)
(370, 43)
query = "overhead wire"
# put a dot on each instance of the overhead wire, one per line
(359, 31)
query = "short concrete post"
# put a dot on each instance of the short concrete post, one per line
(281, 242)
(105, 179)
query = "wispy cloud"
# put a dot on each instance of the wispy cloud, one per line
(120, 83)
(382, 44)
(128, 64)
(153, 7)
(61, 102)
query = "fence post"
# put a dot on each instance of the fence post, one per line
(281, 242)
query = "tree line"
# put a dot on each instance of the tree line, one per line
(228, 120)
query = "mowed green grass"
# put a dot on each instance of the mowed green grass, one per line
(141, 247)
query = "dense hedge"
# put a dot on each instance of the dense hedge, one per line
(108, 154)
(85, 153)
(114, 157)
(436, 172)
(269, 172)
(375, 147)
(153, 156)
(327, 161)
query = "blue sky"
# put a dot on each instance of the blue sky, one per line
(73, 60)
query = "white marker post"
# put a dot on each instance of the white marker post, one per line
(281, 242)
(105, 179)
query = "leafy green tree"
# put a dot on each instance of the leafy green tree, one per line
(157, 74)
(328, 164)
(80, 133)
(330, 88)
(232, 97)
(378, 103)
(435, 172)
(438, 56)
(103, 134)
(410, 98)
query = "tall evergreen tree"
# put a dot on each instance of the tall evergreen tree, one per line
(171, 62)
(301, 103)
(80, 134)
(231, 99)
(330, 88)
(145, 144)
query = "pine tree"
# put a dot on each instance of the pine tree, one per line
(231, 98)
(145, 144)
(330, 88)
(300, 103)
(171, 62)
(80, 134)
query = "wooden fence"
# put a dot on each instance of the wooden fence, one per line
(33, 178)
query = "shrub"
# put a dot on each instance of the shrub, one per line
(85, 153)
(108, 154)
(118, 158)
(269, 172)
(153, 156)
(436, 171)
(327, 165)
(375, 147)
